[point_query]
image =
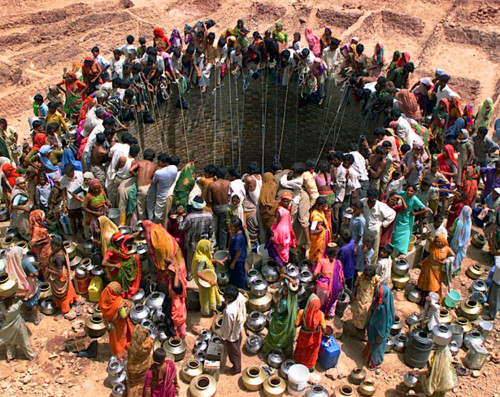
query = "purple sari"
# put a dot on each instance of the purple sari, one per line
(165, 387)
(328, 290)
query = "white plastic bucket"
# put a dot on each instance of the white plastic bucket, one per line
(298, 375)
(264, 255)
(221, 255)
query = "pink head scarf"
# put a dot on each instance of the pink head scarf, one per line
(313, 42)
(14, 268)
(283, 234)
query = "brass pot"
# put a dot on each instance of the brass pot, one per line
(465, 323)
(45, 290)
(203, 386)
(470, 309)
(274, 386)
(8, 241)
(445, 316)
(478, 241)
(176, 346)
(253, 378)
(367, 387)
(70, 248)
(8, 285)
(345, 391)
(358, 375)
(474, 271)
(95, 326)
(216, 324)
(23, 245)
(262, 304)
(191, 369)
(400, 282)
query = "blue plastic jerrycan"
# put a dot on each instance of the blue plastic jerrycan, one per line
(329, 353)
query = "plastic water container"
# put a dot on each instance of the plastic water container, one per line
(452, 298)
(298, 375)
(329, 353)
(264, 255)
(95, 289)
(114, 216)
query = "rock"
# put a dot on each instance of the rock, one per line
(476, 374)
(26, 379)
(127, 3)
(61, 380)
(52, 356)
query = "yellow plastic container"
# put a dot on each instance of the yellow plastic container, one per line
(95, 288)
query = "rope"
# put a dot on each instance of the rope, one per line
(231, 119)
(284, 119)
(215, 124)
(276, 156)
(327, 107)
(346, 98)
(240, 134)
(296, 123)
(237, 119)
(221, 128)
(264, 117)
(183, 121)
(203, 117)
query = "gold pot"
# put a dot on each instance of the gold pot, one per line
(253, 378)
(175, 346)
(23, 245)
(97, 309)
(216, 324)
(203, 386)
(8, 242)
(474, 271)
(367, 387)
(358, 375)
(8, 285)
(470, 309)
(70, 248)
(478, 241)
(191, 369)
(262, 304)
(465, 323)
(274, 386)
(345, 391)
(95, 326)
(445, 316)
(45, 290)
(400, 282)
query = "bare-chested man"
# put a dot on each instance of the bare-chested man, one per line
(144, 171)
(218, 193)
(98, 157)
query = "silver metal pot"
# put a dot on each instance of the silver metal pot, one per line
(285, 368)
(87, 248)
(253, 344)
(158, 316)
(252, 275)
(161, 334)
(139, 296)
(306, 276)
(457, 334)
(441, 334)
(270, 274)
(118, 390)
(454, 348)
(410, 380)
(155, 300)
(397, 326)
(400, 341)
(292, 271)
(125, 230)
(138, 313)
(479, 286)
(485, 327)
(275, 358)
(115, 367)
(256, 321)
(413, 319)
(389, 347)
(48, 306)
(200, 345)
(223, 279)
(414, 295)
(81, 271)
(473, 337)
(401, 266)
(4, 215)
(205, 335)
(258, 287)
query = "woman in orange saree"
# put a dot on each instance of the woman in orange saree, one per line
(139, 360)
(115, 311)
(432, 275)
(320, 231)
(40, 240)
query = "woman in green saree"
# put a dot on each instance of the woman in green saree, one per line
(281, 333)
(184, 185)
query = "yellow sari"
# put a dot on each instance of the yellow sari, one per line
(210, 298)
(108, 228)
(319, 241)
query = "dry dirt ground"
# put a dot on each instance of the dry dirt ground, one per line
(38, 39)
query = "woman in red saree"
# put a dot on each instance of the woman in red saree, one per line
(161, 379)
(8, 181)
(448, 166)
(122, 267)
(40, 240)
(75, 92)
(311, 321)
(160, 41)
(177, 289)
(115, 310)
(283, 237)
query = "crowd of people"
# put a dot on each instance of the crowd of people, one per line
(82, 174)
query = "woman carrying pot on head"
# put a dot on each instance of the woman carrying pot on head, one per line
(208, 289)
(311, 321)
(138, 360)
(161, 379)
(379, 326)
(26, 275)
(59, 276)
(330, 281)
(122, 266)
(281, 333)
(115, 311)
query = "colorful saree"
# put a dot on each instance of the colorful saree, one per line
(183, 187)
(319, 241)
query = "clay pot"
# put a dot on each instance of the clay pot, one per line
(45, 290)
(95, 326)
(253, 344)
(400, 282)
(48, 306)
(275, 358)
(191, 369)
(8, 285)
(274, 386)
(470, 309)
(258, 288)
(345, 391)
(357, 376)
(316, 391)
(262, 304)
(441, 334)
(138, 313)
(253, 378)
(474, 271)
(285, 368)
(175, 346)
(397, 326)
(367, 387)
(203, 386)
(445, 316)
(256, 321)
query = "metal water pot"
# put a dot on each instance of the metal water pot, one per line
(256, 321)
(258, 287)
(270, 274)
(223, 279)
(155, 300)
(473, 337)
(401, 266)
(200, 345)
(479, 286)
(441, 334)
(253, 344)
(252, 275)
(139, 296)
(138, 313)
(285, 368)
(275, 358)
(292, 271)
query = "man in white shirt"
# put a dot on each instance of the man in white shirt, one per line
(331, 56)
(163, 179)
(116, 151)
(339, 181)
(353, 186)
(377, 215)
(116, 65)
(233, 319)
(359, 166)
(294, 181)
(70, 182)
(103, 63)
(126, 47)
(290, 64)
(444, 91)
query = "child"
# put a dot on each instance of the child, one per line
(357, 228)
(384, 264)
(346, 255)
(437, 179)
(40, 109)
(296, 42)
(43, 189)
(431, 311)
(396, 183)
(436, 227)
(141, 50)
